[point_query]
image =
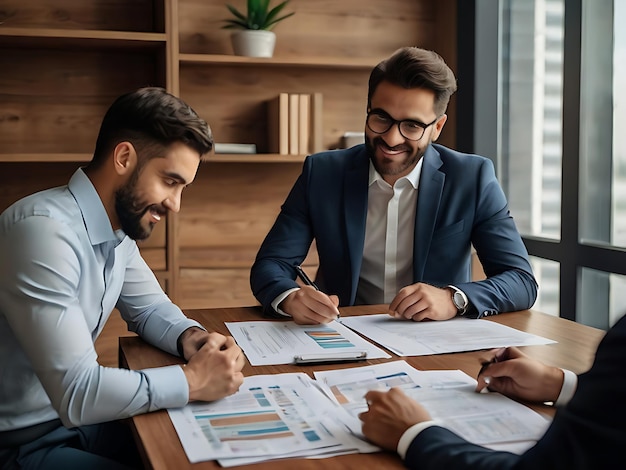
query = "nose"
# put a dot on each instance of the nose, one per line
(172, 203)
(393, 136)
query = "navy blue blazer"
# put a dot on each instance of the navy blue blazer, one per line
(589, 432)
(460, 203)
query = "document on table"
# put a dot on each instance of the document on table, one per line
(271, 416)
(488, 419)
(409, 338)
(277, 342)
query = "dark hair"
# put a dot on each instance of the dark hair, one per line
(412, 67)
(151, 119)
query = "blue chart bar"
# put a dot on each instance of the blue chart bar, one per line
(327, 338)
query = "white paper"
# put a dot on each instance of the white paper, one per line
(409, 338)
(486, 419)
(271, 416)
(277, 342)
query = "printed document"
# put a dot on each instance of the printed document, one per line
(271, 416)
(277, 342)
(409, 338)
(487, 419)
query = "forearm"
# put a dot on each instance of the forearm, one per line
(508, 291)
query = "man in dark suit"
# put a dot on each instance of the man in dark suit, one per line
(587, 432)
(394, 219)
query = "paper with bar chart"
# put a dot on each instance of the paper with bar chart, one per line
(490, 419)
(270, 416)
(277, 342)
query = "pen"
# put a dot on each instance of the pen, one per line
(302, 275)
(484, 365)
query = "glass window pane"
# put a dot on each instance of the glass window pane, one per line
(602, 298)
(531, 131)
(603, 121)
(547, 273)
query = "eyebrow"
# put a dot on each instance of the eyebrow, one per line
(383, 112)
(176, 176)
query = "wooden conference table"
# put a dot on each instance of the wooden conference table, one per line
(161, 448)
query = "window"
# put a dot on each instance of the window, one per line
(559, 143)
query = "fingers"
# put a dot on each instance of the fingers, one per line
(421, 301)
(309, 306)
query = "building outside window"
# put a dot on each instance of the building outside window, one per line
(559, 68)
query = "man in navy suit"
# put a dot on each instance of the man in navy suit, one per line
(587, 432)
(394, 219)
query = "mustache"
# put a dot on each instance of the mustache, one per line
(379, 142)
(158, 208)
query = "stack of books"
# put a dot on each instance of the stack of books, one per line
(294, 122)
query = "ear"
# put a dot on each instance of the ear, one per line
(124, 158)
(438, 127)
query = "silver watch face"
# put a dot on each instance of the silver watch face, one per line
(459, 301)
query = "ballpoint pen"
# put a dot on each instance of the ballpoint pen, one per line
(302, 275)
(483, 367)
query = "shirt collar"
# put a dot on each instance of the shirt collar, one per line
(94, 214)
(413, 177)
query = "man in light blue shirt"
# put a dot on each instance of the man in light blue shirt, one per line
(69, 257)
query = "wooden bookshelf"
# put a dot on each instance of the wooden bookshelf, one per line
(64, 62)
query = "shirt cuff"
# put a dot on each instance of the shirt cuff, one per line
(570, 382)
(280, 298)
(167, 387)
(411, 433)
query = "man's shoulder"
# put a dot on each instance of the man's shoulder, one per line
(454, 157)
(56, 203)
(340, 157)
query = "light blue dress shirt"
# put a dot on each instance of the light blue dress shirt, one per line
(63, 269)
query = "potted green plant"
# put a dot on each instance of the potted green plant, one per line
(254, 37)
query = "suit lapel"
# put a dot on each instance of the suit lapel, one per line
(428, 200)
(355, 215)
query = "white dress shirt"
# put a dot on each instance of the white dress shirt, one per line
(63, 271)
(389, 233)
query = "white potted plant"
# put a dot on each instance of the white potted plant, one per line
(254, 37)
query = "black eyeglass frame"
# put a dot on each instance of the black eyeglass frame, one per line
(394, 122)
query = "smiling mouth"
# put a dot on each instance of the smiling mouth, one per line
(157, 214)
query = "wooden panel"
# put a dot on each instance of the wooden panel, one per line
(122, 15)
(324, 27)
(233, 205)
(55, 101)
(201, 288)
(238, 111)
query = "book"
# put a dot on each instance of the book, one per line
(303, 123)
(278, 124)
(234, 148)
(294, 101)
(316, 137)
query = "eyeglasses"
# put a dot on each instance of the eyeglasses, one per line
(380, 122)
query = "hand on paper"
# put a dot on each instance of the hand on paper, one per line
(516, 375)
(214, 371)
(308, 306)
(421, 301)
(390, 414)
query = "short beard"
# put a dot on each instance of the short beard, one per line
(130, 210)
(371, 145)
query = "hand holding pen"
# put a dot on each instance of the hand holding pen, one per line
(309, 305)
(516, 375)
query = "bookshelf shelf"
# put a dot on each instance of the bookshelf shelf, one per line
(256, 158)
(78, 38)
(310, 62)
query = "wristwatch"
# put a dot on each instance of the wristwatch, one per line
(459, 299)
